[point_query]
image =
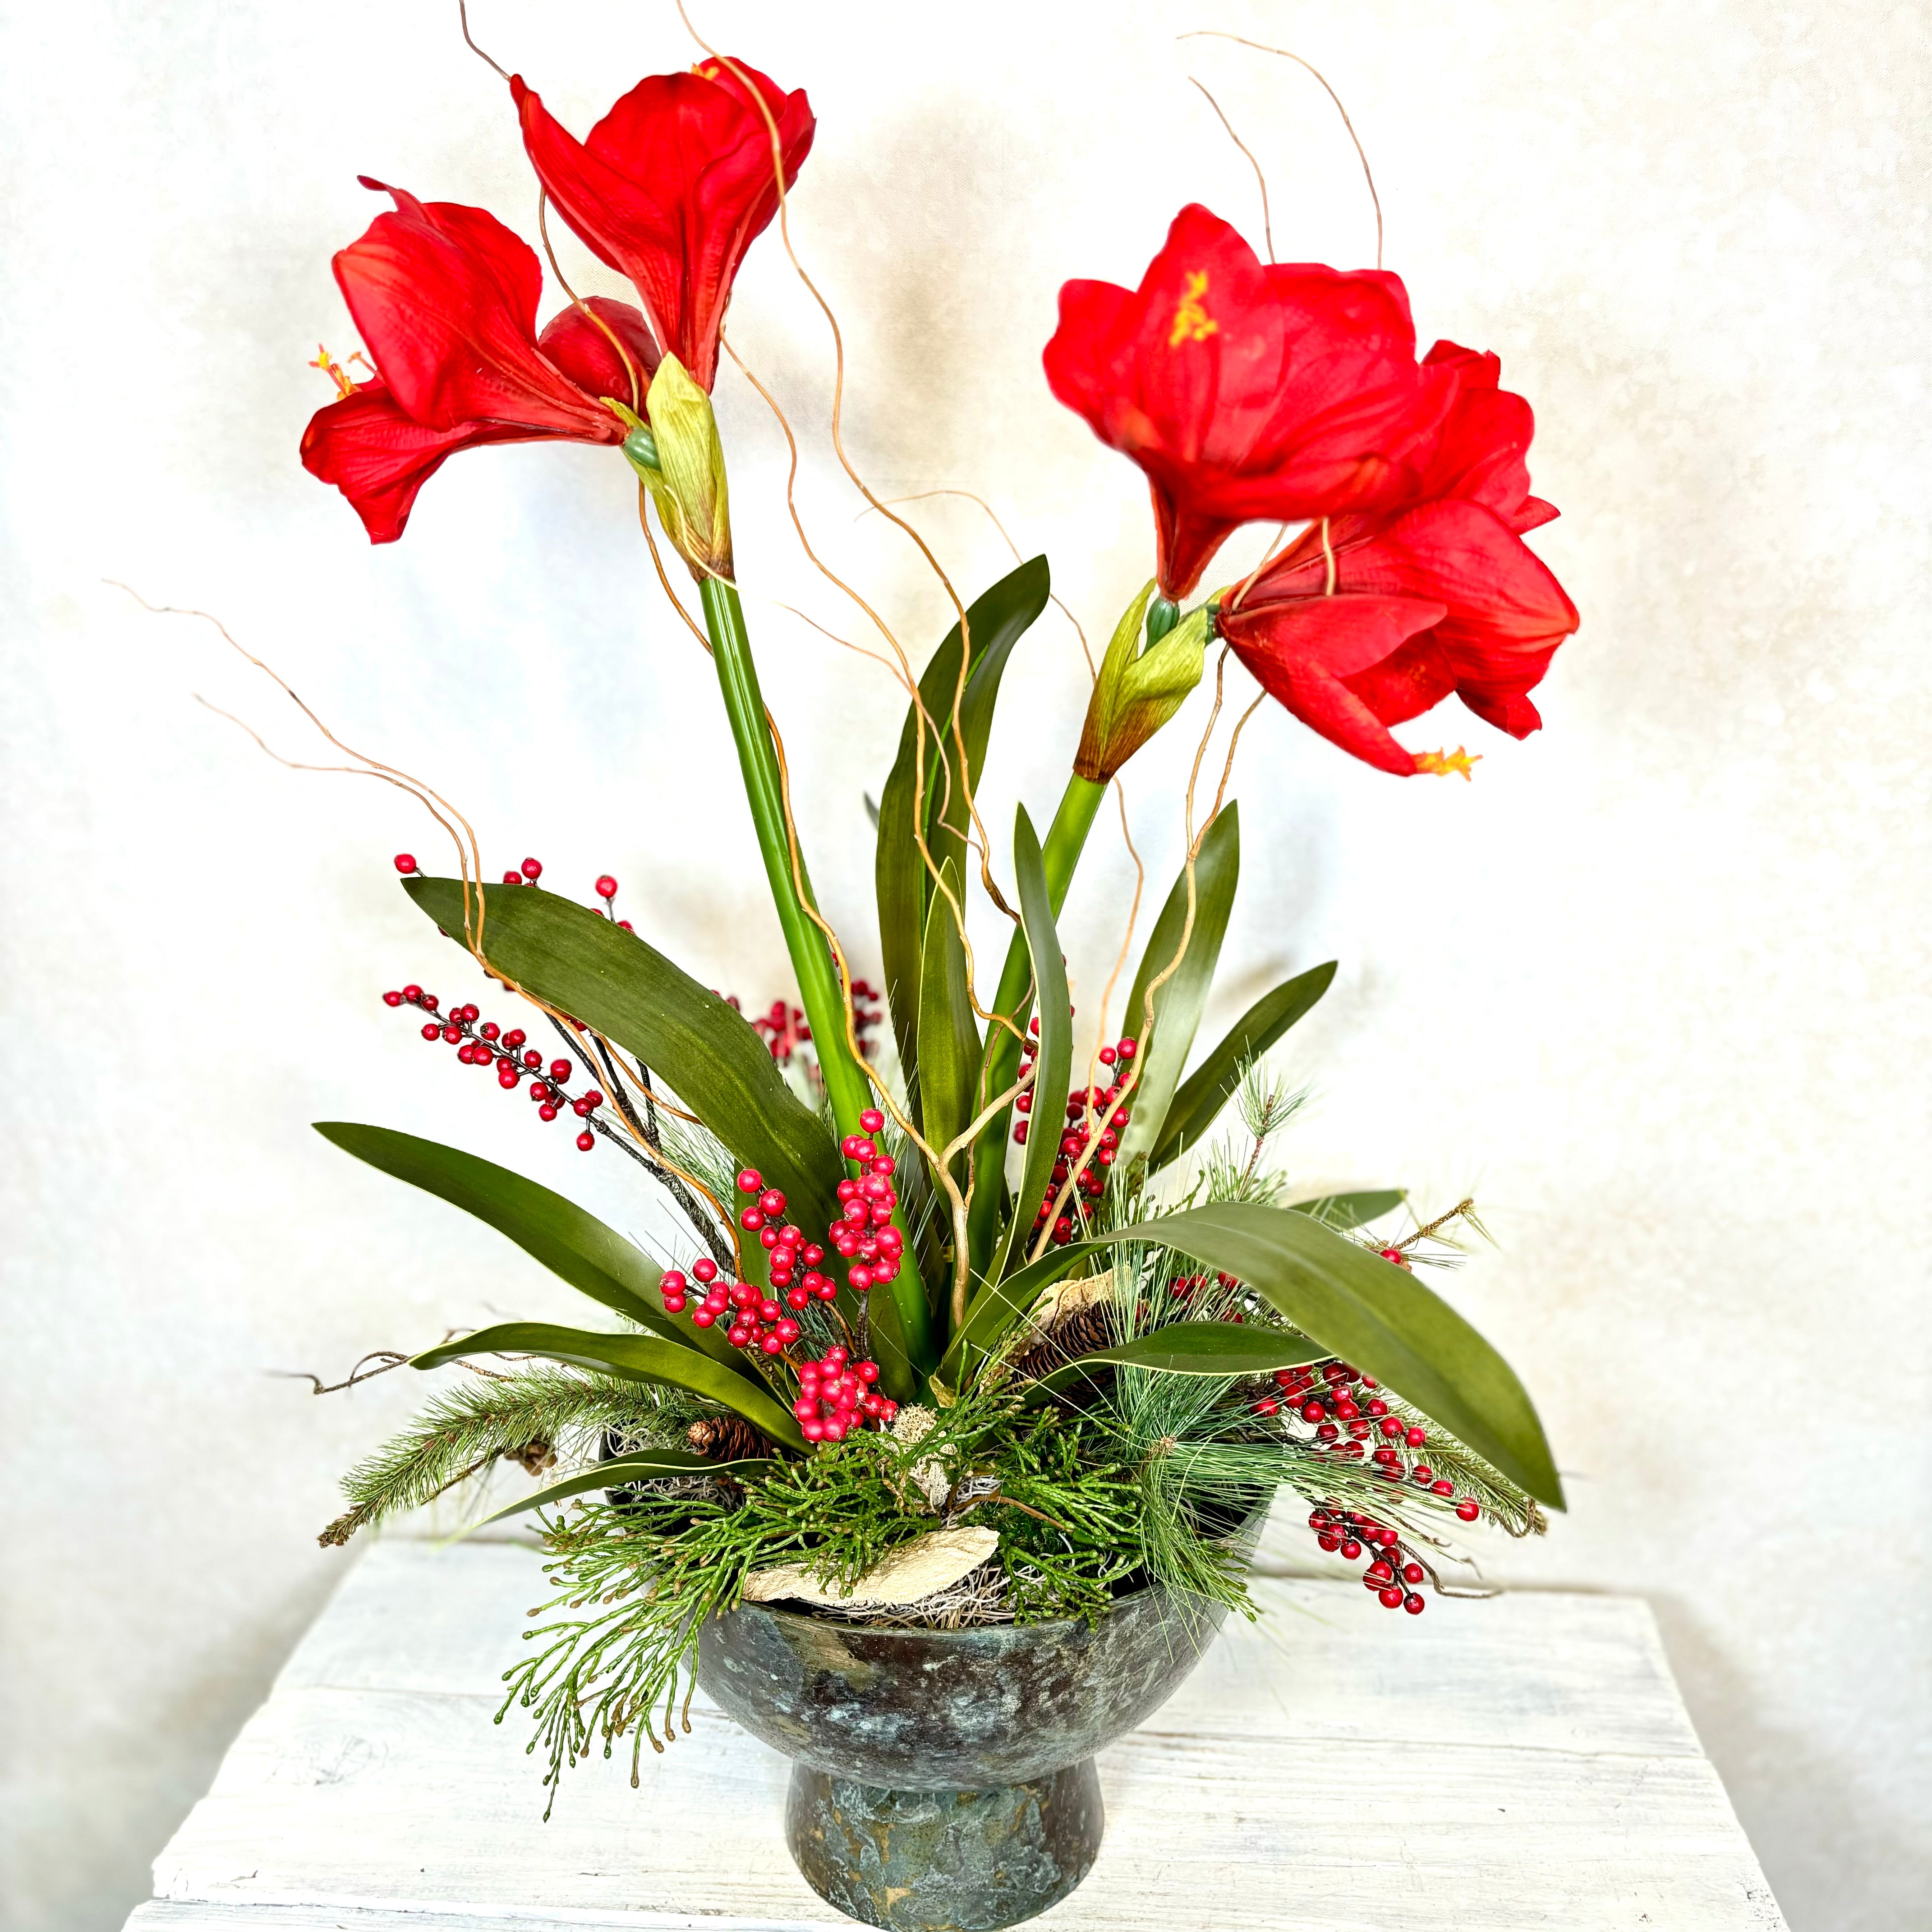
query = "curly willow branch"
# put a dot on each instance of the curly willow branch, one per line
(1267, 226)
(972, 496)
(1262, 47)
(468, 852)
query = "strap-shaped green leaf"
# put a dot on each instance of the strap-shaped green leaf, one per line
(996, 620)
(1192, 1348)
(592, 969)
(1356, 1305)
(639, 1468)
(595, 1260)
(949, 1061)
(1048, 1114)
(1206, 1090)
(1343, 1211)
(1180, 1001)
(637, 1358)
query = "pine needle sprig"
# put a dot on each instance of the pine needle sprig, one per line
(536, 1415)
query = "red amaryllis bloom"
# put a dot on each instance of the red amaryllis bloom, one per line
(445, 297)
(1381, 619)
(1246, 392)
(673, 186)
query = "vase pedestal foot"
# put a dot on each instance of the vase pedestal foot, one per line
(944, 1861)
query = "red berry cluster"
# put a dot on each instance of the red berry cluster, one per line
(1182, 1286)
(487, 1045)
(863, 1234)
(1334, 1397)
(1391, 1566)
(1109, 1119)
(754, 1320)
(784, 1028)
(835, 1392)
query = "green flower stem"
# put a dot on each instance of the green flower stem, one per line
(1066, 839)
(820, 992)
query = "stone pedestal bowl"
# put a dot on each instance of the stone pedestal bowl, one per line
(944, 1780)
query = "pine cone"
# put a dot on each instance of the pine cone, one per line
(1077, 1334)
(536, 1455)
(725, 1438)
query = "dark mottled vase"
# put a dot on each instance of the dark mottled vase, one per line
(944, 1780)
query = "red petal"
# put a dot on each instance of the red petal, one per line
(1482, 454)
(379, 457)
(1414, 678)
(1340, 635)
(1504, 612)
(1300, 652)
(585, 354)
(673, 186)
(445, 297)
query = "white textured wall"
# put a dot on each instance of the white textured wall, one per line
(1652, 985)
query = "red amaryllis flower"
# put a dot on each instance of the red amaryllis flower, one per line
(673, 186)
(445, 297)
(1380, 618)
(1246, 392)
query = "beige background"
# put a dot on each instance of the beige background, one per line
(1652, 985)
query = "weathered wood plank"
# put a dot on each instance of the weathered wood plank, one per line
(1517, 1763)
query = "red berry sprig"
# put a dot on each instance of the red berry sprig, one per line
(486, 1044)
(1108, 1120)
(1392, 1572)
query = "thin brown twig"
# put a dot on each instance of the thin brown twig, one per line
(389, 1358)
(972, 496)
(584, 309)
(1261, 46)
(464, 857)
(1267, 226)
(463, 14)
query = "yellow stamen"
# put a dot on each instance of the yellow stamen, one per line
(1441, 764)
(1192, 323)
(344, 386)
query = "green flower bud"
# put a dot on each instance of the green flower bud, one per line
(1138, 691)
(681, 463)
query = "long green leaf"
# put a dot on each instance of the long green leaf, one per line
(1193, 1349)
(997, 619)
(592, 969)
(1343, 1211)
(1055, 1062)
(948, 1063)
(640, 1358)
(595, 1260)
(1180, 1001)
(1358, 1306)
(622, 1469)
(1206, 1089)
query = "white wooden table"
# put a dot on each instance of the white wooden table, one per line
(1518, 1763)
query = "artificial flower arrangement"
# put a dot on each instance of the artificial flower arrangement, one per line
(995, 1316)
